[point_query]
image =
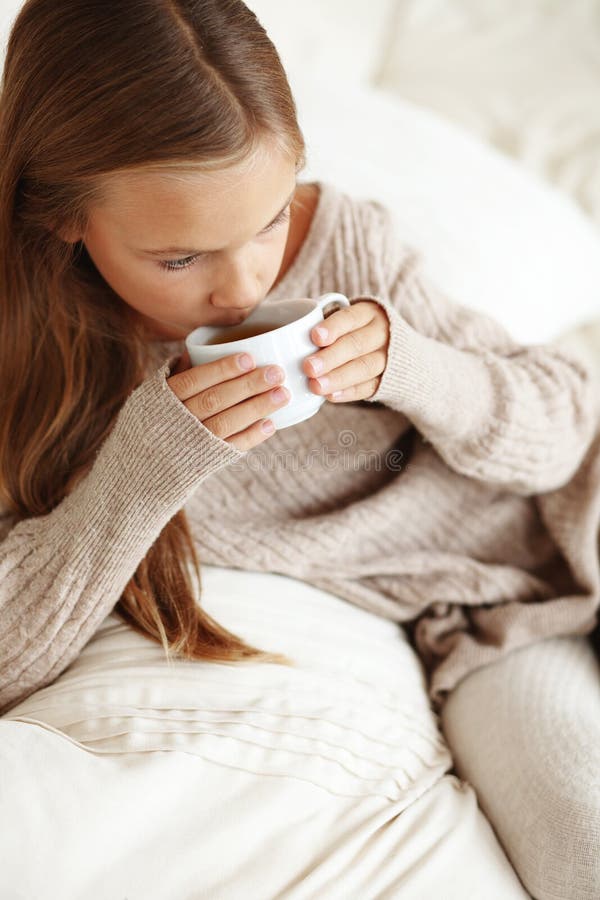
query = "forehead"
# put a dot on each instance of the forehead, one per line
(188, 205)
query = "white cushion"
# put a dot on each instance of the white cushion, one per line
(493, 235)
(327, 780)
(8, 13)
(337, 40)
(524, 76)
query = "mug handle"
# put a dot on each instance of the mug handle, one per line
(332, 297)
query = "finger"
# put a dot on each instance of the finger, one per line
(354, 372)
(236, 418)
(188, 383)
(356, 392)
(229, 394)
(250, 437)
(347, 318)
(346, 347)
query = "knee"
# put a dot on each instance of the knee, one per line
(559, 846)
(525, 732)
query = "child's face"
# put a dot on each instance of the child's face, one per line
(226, 213)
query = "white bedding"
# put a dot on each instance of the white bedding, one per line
(131, 778)
(525, 77)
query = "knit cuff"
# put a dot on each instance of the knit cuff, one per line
(183, 443)
(445, 392)
(154, 458)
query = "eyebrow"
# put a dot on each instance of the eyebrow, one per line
(187, 251)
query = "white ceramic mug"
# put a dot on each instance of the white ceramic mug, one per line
(286, 345)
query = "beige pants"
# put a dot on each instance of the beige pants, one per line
(525, 732)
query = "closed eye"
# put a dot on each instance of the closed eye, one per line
(177, 265)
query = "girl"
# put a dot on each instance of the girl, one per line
(149, 185)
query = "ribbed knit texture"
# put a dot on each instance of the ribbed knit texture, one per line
(463, 497)
(525, 732)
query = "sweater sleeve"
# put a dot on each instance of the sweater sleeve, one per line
(62, 573)
(518, 416)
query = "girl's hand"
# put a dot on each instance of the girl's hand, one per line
(228, 400)
(355, 354)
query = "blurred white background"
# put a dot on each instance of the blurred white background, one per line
(524, 74)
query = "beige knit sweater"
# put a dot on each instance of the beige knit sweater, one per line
(462, 499)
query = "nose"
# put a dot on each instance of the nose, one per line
(238, 290)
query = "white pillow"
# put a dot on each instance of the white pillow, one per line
(339, 40)
(8, 13)
(494, 236)
(524, 76)
(256, 781)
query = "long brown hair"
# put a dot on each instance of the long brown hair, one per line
(90, 89)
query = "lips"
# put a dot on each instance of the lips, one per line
(227, 324)
(224, 323)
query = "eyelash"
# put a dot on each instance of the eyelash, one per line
(172, 265)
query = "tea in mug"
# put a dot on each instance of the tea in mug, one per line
(239, 332)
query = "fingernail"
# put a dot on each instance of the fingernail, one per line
(322, 333)
(279, 395)
(267, 427)
(316, 363)
(245, 362)
(273, 374)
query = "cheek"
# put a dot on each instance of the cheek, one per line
(145, 286)
(151, 289)
(131, 279)
(278, 249)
